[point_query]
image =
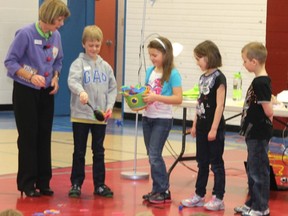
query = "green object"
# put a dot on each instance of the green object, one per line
(135, 102)
(192, 93)
(237, 87)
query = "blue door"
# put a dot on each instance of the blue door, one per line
(82, 14)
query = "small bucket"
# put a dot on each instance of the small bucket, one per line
(135, 102)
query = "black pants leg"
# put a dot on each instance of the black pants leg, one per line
(98, 135)
(80, 136)
(31, 106)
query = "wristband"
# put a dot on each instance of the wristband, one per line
(30, 79)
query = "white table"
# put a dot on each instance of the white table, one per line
(231, 106)
(237, 106)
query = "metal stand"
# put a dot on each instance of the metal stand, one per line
(134, 174)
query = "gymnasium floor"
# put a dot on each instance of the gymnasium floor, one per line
(127, 201)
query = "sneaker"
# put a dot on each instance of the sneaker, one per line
(242, 209)
(157, 198)
(214, 204)
(195, 201)
(75, 191)
(103, 190)
(257, 213)
(148, 195)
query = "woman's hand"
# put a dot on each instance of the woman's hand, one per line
(55, 85)
(38, 80)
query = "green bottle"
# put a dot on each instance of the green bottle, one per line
(237, 87)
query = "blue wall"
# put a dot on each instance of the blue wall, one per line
(82, 14)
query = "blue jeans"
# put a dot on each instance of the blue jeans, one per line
(258, 171)
(210, 152)
(80, 136)
(155, 133)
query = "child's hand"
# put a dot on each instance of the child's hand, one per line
(83, 97)
(149, 97)
(107, 114)
(212, 135)
(193, 131)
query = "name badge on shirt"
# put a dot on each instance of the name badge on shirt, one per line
(38, 42)
(55, 51)
(87, 68)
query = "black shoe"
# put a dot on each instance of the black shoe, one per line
(103, 190)
(31, 193)
(75, 191)
(47, 192)
(148, 195)
(164, 197)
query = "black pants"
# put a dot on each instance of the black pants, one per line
(80, 135)
(34, 110)
(210, 153)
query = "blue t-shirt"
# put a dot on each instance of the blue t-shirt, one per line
(174, 81)
(153, 80)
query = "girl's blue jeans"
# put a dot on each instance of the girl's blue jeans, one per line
(155, 133)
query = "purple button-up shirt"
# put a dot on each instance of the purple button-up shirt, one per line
(35, 54)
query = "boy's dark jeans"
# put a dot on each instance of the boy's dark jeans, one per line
(210, 152)
(258, 171)
(80, 135)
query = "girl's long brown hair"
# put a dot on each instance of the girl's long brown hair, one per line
(168, 58)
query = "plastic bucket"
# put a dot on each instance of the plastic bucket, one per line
(135, 102)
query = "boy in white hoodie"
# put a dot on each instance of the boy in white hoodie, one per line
(91, 79)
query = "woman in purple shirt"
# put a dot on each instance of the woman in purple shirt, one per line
(34, 61)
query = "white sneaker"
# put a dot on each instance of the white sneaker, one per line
(242, 209)
(257, 213)
(214, 204)
(195, 201)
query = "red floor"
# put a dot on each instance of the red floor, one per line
(127, 199)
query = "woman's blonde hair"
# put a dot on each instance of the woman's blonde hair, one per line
(92, 32)
(51, 10)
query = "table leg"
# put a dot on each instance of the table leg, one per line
(184, 133)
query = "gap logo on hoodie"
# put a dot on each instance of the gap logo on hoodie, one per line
(94, 77)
